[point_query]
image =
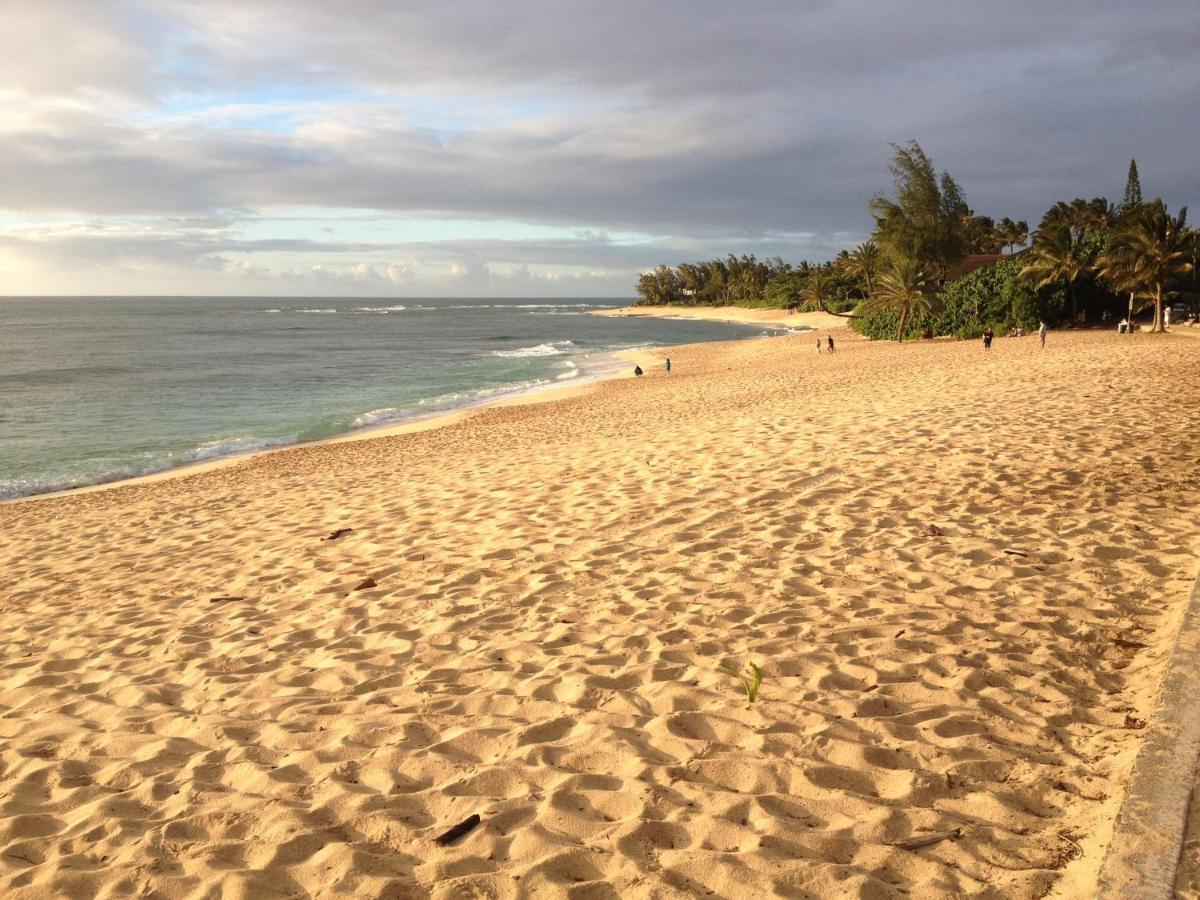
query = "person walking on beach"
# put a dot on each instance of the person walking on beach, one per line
(1042, 329)
(668, 365)
(987, 338)
(829, 338)
(818, 345)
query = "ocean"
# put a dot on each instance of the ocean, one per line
(96, 389)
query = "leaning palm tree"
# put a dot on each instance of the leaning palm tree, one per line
(862, 262)
(819, 288)
(906, 288)
(1059, 254)
(1151, 248)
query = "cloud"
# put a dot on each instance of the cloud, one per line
(701, 125)
(219, 258)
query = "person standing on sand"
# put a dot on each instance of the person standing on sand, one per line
(987, 338)
(668, 365)
(818, 345)
(829, 338)
(1042, 329)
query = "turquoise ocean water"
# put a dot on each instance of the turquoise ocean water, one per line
(102, 388)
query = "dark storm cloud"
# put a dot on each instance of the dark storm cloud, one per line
(697, 120)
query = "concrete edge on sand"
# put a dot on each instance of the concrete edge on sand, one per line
(1144, 855)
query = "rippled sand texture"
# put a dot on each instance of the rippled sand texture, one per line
(554, 589)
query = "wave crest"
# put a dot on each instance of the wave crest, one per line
(553, 348)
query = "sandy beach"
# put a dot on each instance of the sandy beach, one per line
(741, 314)
(959, 571)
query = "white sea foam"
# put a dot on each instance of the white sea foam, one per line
(110, 470)
(376, 417)
(454, 400)
(554, 348)
(11, 488)
(383, 310)
(228, 447)
(316, 310)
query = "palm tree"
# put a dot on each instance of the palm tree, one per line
(862, 263)
(820, 286)
(817, 287)
(906, 288)
(1083, 217)
(1059, 254)
(1151, 248)
(1019, 234)
(1120, 269)
(1005, 232)
(1100, 216)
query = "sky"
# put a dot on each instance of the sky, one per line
(475, 148)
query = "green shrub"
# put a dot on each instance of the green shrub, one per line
(995, 295)
(992, 296)
(969, 332)
(785, 289)
(881, 324)
(977, 300)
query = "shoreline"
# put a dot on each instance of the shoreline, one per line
(740, 315)
(546, 393)
(789, 324)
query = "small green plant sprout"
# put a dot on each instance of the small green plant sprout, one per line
(750, 684)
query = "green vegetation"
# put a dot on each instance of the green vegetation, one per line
(995, 295)
(735, 279)
(1060, 255)
(927, 222)
(1133, 189)
(1149, 254)
(905, 289)
(750, 684)
(1087, 260)
(863, 262)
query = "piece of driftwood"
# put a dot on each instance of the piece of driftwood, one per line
(925, 840)
(337, 534)
(367, 582)
(459, 831)
(226, 599)
(1011, 552)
